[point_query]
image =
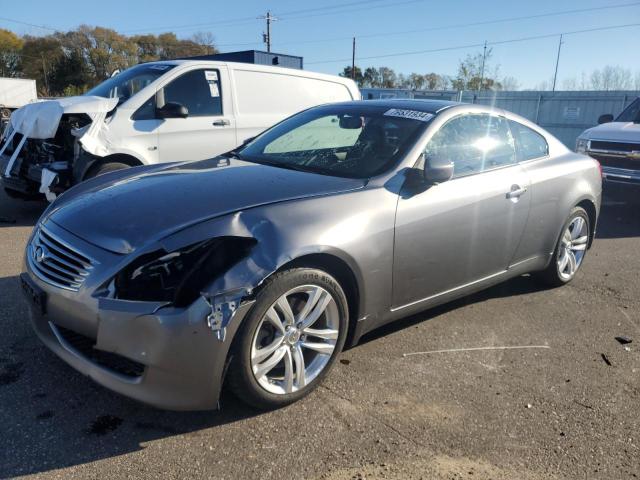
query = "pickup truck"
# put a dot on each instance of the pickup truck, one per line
(151, 113)
(615, 143)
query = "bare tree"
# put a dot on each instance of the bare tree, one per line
(611, 78)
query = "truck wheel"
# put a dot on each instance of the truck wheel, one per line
(290, 338)
(105, 168)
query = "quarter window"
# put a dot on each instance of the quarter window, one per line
(474, 143)
(529, 143)
(198, 90)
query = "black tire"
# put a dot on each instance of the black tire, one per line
(105, 168)
(551, 275)
(240, 376)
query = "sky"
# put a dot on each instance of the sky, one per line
(321, 31)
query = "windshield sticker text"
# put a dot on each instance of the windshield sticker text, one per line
(411, 114)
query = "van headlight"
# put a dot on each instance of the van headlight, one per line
(179, 277)
(582, 145)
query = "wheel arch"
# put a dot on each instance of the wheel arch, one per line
(346, 277)
(116, 157)
(590, 207)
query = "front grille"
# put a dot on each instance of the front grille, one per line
(617, 162)
(56, 262)
(614, 146)
(111, 361)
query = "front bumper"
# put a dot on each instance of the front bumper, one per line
(621, 175)
(162, 356)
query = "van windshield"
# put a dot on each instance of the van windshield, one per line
(126, 84)
(631, 113)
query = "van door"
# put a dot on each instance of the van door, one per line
(209, 128)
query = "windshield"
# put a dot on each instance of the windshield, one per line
(356, 141)
(631, 113)
(126, 84)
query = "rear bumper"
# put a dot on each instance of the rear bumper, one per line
(165, 357)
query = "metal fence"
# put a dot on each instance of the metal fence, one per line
(565, 114)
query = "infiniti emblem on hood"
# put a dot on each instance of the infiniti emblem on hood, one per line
(40, 254)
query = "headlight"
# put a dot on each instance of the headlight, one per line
(179, 276)
(582, 145)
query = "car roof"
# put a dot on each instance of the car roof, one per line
(428, 106)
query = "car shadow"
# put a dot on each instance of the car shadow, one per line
(19, 213)
(53, 417)
(620, 213)
(522, 285)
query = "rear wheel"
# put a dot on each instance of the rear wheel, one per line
(105, 168)
(570, 249)
(290, 338)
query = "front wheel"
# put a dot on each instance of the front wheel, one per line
(103, 168)
(570, 249)
(290, 339)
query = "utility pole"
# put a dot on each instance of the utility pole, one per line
(555, 75)
(484, 59)
(353, 60)
(266, 37)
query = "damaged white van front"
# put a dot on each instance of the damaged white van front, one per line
(155, 112)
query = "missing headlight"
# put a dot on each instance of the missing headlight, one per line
(179, 276)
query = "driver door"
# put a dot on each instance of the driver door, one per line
(468, 228)
(210, 127)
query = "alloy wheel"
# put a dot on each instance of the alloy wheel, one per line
(295, 339)
(572, 247)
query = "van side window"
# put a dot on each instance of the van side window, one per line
(474, 143)
(198, 90)
(529, 143)
(146, 111)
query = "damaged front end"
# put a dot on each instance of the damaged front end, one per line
(42, 147)
(180, 277)
(43, 166)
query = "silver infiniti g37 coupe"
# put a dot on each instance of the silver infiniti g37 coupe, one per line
(257, 267)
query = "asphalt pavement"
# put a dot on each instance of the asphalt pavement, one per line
(567, 411)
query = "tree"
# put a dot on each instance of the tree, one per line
(358, 78)
(10, 46)
(611, 78)
(371, 78)
(417, 81)
(388, 78)
(206, 40)
(475, 73)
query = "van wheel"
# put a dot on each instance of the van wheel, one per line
(570, 250)
(290, 338)
(105, 168)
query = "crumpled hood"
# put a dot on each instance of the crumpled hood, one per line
(614, 131)
(125, 214)
(41, 119)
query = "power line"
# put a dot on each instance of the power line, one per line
(443, 27)
(28, 24)
(475, 45)
(464, 25)
(245, 20)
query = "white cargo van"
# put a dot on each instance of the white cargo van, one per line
(154, 112)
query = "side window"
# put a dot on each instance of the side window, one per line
(474, 143)
(147, 111)
(198, 90)
(529, 143)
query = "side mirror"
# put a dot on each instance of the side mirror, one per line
(172, 110)
(437, 169)
(606, 118)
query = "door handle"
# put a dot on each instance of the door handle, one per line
(516, 192)
(221, 123)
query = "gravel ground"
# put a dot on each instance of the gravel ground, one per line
(567, 411)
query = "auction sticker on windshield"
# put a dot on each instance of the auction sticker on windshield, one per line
(412, 114)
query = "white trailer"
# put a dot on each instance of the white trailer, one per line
(15, 93)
